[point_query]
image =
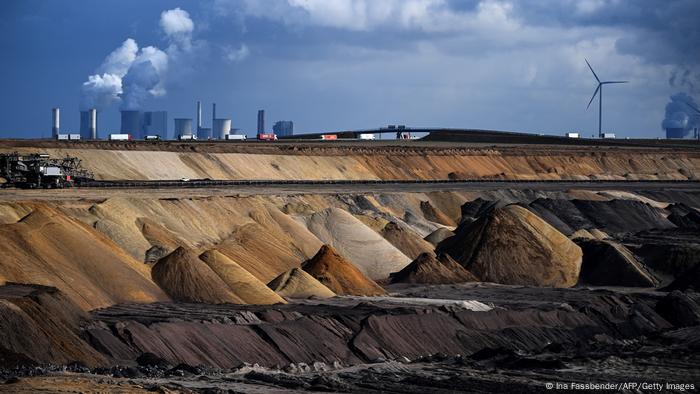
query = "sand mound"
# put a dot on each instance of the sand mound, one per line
(406, 240)
(434, 215)
(339, 275)
(368, 251)
(511, 245)
(186, 278)
(49, 248)
(297, 283)
(241, 282)
(261, 252)
(428, 268)
(608, 263)
(439, 235)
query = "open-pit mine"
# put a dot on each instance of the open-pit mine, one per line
(390, 266)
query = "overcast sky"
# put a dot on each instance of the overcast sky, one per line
(344, 64)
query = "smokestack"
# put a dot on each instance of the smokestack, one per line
(199, 115)
(261, 121)
(213, 117)
(93, 124)
(55, 130)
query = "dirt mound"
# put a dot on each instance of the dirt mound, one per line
(406, 240)
(339, 275)
(439, 235)
(40, 324)
(608, 263)
(184, 277)
(241, 282)
(373, 255)
(428, 268)
(297, 283)
(511, 245)
(435, 215)
(689, 281)
(49, 248)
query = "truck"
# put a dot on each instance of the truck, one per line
(267, 137)
(73, 137)
(187, 137)
(608, 136)
(573, 134)
(154, 137)
(328, 137)
(120, 137)
(62, 137)
(367, 136)
(236, 137)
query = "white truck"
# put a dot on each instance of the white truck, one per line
(187, 137)
(236, 137)
(73, 137)
(120, 137)
(573, 135)
(367, 136)
(608, 136)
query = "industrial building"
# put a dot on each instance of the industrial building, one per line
(56, 122)
(221, 128)
(131, 123)
(183, 127)
(283, 128)
(261, 121)
(88, 124)
(155, 123)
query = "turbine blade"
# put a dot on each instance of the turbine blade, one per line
(695, 109)
(609, 82)
(594, 93)
(594, 74)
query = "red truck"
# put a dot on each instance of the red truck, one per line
(267, 137)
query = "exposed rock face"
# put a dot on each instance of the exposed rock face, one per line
(339, 275)
(39, 324)
(438, 236)
(241, 282)
(427, 268)
(670, 253)
(184, 277)
(405, 240)
(681, 309)
(511, 245)
(297, 283)
(608, 263)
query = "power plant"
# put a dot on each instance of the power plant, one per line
(56, 129)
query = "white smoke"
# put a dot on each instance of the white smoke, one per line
(680, 113)
(131, 75)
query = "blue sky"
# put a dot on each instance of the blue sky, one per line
(344, 64)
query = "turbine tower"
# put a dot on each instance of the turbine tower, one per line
(599, 92)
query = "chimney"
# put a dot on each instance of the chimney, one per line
(261, 121)
(55, 130)
(213, 113)
(93, 124)
(199, 115)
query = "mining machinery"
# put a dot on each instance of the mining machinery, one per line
(39, 170)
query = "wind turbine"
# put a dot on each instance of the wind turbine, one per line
(599, 91)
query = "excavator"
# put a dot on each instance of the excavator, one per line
(39, 170)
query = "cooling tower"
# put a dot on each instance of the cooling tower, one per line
(675, 132)
(131, 123)
(221, 128)
(183, 126)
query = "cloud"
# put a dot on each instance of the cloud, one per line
(178, 26)
(236, 55)
(131, 75)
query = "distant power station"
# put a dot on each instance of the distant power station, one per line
(261, 121)
(141, 124)
(283, 128)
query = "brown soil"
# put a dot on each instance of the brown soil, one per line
(429, 269)
(297, 283)
(406, 240)
(339, 275)
(512, 245)
(186, 278)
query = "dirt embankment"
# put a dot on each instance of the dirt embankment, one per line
(287, 161)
